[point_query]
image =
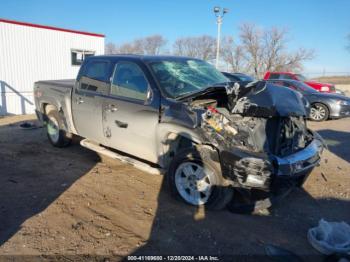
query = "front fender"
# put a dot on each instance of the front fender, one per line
(167, 132)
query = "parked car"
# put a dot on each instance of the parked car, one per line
(321, 87)
(180, 115)
(238, 77)
(322, 105)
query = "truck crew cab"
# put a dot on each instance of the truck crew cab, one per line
(210, 137)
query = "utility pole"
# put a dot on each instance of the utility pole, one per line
(219, 18)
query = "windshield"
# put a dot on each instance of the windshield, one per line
(182, 77)
(304, 87)
(301, 77)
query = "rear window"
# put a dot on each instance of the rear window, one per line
(97, 70)
(281, 76)
(286, 77)
(274, 76)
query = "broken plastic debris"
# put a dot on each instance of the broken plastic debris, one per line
(232, 89)
(330, 237)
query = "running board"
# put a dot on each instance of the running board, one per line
(125, 159)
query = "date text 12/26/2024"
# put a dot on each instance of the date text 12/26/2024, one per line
(172, 258)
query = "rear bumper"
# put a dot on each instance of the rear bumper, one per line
(268, 172)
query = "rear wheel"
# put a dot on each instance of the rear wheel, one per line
(319, 112)
(56, 133)
(197, 182)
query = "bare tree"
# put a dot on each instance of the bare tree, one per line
(233, 55)
(202, 47)
(153, 45)
(251, 38)
(150, 45)
(130, 48)
(293, 61)
(273, 46)
(266, 50)
(110, 49)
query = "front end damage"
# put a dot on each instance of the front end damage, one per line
(261, 134)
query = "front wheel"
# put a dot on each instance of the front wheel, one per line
(319, 112)
(198, 182)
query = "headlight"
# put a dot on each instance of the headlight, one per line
(324, 89)
(343, 102)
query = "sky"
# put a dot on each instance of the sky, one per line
(321, 25)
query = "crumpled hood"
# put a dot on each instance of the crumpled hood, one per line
(263, 99)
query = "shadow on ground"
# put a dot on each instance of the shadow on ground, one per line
(338, 142)
(177, 229)
(26, 190)
(183, 230)
(180, 229)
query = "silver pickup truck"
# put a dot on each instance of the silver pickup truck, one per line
(211, 137)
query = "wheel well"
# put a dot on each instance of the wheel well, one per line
(321, 104)
(173, 144)
(48, 107)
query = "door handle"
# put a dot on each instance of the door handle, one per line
(79, 100)
(121, 124)
(111, 108)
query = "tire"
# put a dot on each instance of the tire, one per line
(206, 184)
(56, 133)
(319, 112)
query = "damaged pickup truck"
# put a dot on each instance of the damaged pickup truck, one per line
(215, 140)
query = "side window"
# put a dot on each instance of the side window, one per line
(129, 81)
(97, 70)
(274, 76)
(291, 86)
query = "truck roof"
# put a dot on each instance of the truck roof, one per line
(145, 58)
(281, 72)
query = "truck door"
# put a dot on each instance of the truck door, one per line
(131, 112)
(87, 100)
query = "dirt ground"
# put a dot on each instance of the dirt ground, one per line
(67, 204)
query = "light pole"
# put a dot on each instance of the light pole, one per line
(219, 18)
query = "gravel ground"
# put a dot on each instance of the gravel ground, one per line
(68, 204)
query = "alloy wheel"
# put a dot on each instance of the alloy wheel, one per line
(194, 183)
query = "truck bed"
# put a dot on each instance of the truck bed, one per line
(64, 83)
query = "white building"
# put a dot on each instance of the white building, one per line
(30, 52)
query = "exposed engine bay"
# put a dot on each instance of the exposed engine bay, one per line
(242, 122)
(252, 125)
